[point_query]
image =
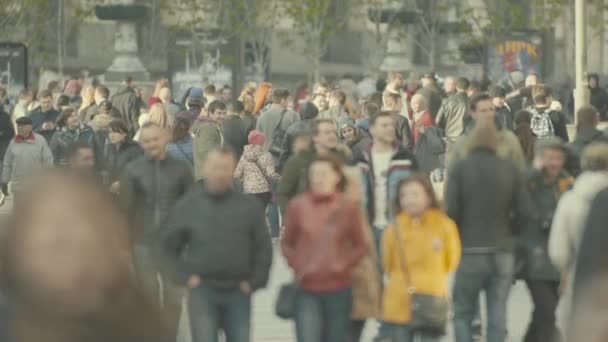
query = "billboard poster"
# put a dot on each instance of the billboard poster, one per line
(13, 67)
(512, 58)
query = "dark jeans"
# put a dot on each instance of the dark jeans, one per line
(402, 333)
(159, 287)
(264, 198)
(273, 215)
(323, 317)
(212, 310)
(477, 272)
(542, 327)
(355, 330)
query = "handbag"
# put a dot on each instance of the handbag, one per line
(285, 305)
(429, 312)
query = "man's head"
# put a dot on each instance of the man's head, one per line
(321, 88)
(236, 107)
(462, 84)
(118, 132)
(218, 170)
(102, 93)
(532, 79)
(227, 94)
(594, 81)
(280, 96)
(382, 128)
(217, 110)
(153, 140)
(428, 79)
(321, 102)
(541, 95)
(449, 85)
(337, 98)
(24, 126)
(370, 109)
(419, 103)
(552, 155)
(165, 95)
(392, 102)
(348, 130)
(209, 92)
(498, 95)
(325, 134)
(46, 100)
(69, 118)
(395, 80)
(81, 156)
(482, 107)
(587, 117)
(26, 95)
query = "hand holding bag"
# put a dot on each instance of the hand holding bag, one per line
(429, 312)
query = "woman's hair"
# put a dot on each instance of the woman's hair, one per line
(118, 126)
(88, 96)
(261, 95)
(336, 164)
(181, 128)
(423, 180)
(160, 84)
(524, 133)
(159, 116)
(63, 117)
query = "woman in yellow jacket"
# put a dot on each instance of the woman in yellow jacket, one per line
(429, 243)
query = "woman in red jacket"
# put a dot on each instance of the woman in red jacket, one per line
(323, 242)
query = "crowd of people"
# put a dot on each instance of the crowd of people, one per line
(344, 184)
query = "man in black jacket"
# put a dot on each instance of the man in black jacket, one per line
(453, 114)
(128, 104)
(223, 251)
(394, 104)
(44, 119)
(149, 188)
(483, 218)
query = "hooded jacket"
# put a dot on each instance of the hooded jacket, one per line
(255, 170)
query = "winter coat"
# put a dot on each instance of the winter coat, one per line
(484, 217)
(426, 120)
(430, 250)
(535, 237)
(183, 150)
(7, 132)
(404, 132)
(39, 118)
(148, 191)
(207, 136)
(323, 241)
(63, 138)
(235, 134)
(269, 120)
(223, 238)
(128, 105)
(23, 158)
(255, 170)
(402, 164)
(430, 150)
(116, 159)
(599, 99)
(584, 137)
(453, 114)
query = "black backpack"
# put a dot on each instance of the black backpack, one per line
(278, 136)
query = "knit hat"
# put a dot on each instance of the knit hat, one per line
(196, 96)
(256, 138)
(24, 121)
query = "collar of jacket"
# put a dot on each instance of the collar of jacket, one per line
(367, 152)
(20, 139)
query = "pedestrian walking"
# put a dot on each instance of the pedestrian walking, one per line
(207, 131)
(88, 101)
(182, 145)
(27, 154)
(256, 170)
(393, 103)
(127, 103)
(356, 140)
(155, 98)
(195, 102)
(523, 130)
(150, 186)
(586, 134)
(221, 280)
(546, 184)
(263, 98)
(546, 122)
(275, 121)
(453, 115)
(431, 92)
(301, 128)
(420, 250)
(421, 118)
(118, 151)
(598, 96)
(234, 128)
(71, 130)
(323, 242)
(504, 116)
(483, 220)
(569, 222)
(44, 119)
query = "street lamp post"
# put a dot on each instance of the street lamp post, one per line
(581, 92)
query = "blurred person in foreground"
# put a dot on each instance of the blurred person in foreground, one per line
(323, 242)
(587, 134)
(569, 221)
(91, 297)
(220, 241)
(484, 223)
(150, 186)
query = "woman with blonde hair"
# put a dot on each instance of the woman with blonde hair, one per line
(159, 116)
(155, 98)
(88, 101)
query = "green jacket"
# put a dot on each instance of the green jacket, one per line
(207, 136)
(544, 198)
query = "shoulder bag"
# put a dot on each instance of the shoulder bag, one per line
(429, 312)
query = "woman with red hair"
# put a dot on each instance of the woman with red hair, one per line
(262, 96)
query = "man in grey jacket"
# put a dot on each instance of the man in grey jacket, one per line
(275, 121)
(27, 153)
